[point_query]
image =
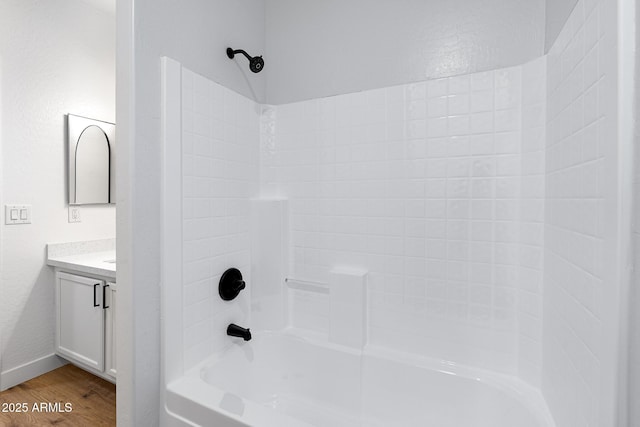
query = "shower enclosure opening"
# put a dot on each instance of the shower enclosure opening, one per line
(412, 230)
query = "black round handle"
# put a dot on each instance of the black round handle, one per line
(231, 284)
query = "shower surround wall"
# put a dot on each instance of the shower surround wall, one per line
(532, 205)
(436, 188)
(451, 193)
(581, 289)
(220, 167)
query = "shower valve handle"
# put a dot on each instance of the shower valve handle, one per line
(231, 284)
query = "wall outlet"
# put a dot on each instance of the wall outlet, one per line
(74, 214)
(17, 214)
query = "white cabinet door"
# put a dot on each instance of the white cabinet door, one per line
(80, 319)
(110, 330)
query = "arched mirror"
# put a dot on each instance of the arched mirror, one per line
(91, 161)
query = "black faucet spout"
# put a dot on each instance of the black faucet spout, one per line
(234, 330)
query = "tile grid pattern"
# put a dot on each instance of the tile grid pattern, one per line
(220, 168)
(534, 88)
(419, 184)
(578, 111)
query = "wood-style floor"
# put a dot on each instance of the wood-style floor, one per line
(92, 399)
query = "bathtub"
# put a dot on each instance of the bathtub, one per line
(284, 379)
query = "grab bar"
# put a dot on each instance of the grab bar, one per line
(306, 285)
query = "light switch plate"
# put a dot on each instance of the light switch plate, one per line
(74, 214)
(17, 214)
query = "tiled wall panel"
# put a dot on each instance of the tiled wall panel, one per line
(476, 204)
(429, 187)
(531, 221)
(581, 142)
(220, 162)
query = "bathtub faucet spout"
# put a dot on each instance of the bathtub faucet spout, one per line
(234, 330)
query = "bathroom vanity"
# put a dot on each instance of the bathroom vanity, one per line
(85, 301)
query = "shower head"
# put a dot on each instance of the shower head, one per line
(256, 63)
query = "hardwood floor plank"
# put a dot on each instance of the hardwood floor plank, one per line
(92, 400)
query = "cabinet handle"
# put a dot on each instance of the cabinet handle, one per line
(104, 297)
(95, 302)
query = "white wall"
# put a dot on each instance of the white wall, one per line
(57, 58)
(317, 49)
(634, 299)
(583, 252)
(556, 14)
(198, 34)
(195, 33)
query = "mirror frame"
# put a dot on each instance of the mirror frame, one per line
(76, 125)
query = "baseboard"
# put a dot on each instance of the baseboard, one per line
(25, 372)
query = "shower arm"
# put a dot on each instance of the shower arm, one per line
(231, 53)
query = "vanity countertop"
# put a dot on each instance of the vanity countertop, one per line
(96, 257)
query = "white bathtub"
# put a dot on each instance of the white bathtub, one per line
(280, 379)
